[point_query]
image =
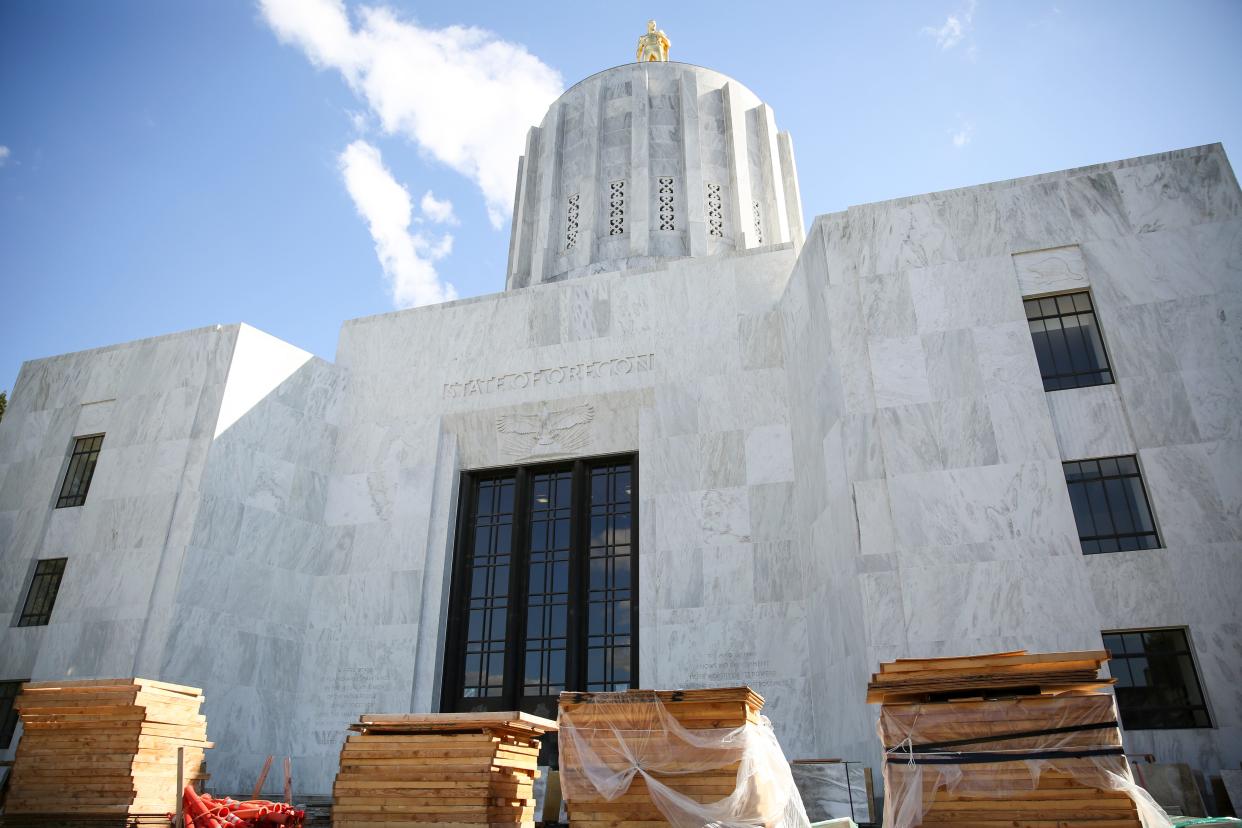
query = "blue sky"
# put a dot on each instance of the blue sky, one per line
(167, 165)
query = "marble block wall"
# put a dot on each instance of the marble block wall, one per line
(818, 324)
(156, 401)
(941, 508)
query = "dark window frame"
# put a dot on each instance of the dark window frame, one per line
(80, 470)
(1059, 367)
(41, 594)
(1198, 711)
(1136, 510)
(452, 680)
(9, 691)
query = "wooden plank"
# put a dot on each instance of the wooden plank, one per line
(428, 739)
(901, 665)
(1060, 669)
(991, 690)
(437, 720)
(78, 684)
(414, 785)
(666, 697)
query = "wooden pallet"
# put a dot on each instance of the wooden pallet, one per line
(447, 769)
(964, 701)
(608, 714)
(104, 750)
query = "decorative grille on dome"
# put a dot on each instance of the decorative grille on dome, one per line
(715, 214)
(616, 208)
(665, 194)
(571, 223)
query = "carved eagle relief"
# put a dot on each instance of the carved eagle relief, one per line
(1051, 267)
(558, 431)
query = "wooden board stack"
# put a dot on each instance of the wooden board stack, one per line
(104, 748)
(729, 707)
(980, 715)
(439, 769)
(928, 679)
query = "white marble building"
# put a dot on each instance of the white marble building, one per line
(847, 450)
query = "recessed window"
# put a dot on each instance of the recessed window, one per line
(37, 610)
(1157, 684)
(81, 470)
(8, 711)
(1110, 505)
(544, 587)
(1067, 341)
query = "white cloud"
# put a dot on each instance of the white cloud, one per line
(462, 94)
(4, 155)
(956, 27)
(408, 258)
(963, 134)
(441, 212)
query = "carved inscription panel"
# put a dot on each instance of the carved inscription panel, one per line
(555, 375)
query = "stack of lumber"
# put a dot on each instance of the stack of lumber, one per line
(631, 714)
(439, 769)
(105, 748)
(1031, 735)
(931, 679)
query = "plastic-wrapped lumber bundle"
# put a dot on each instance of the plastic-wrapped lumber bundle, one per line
(1011, 739)
(104, 747)
(439, 769)
(687, 758)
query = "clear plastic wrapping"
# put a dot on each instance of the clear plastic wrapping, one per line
(687, 773)
(941, 750)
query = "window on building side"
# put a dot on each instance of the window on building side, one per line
(1157, 684)
(1067, 341)
(1110, 505)
(544, 586)
(8, 711)
(37, 610)
(81, 470)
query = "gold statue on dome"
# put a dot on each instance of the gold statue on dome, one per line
(653, 45)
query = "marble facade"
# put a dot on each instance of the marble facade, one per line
(847, 454)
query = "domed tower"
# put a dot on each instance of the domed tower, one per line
(647, 163)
